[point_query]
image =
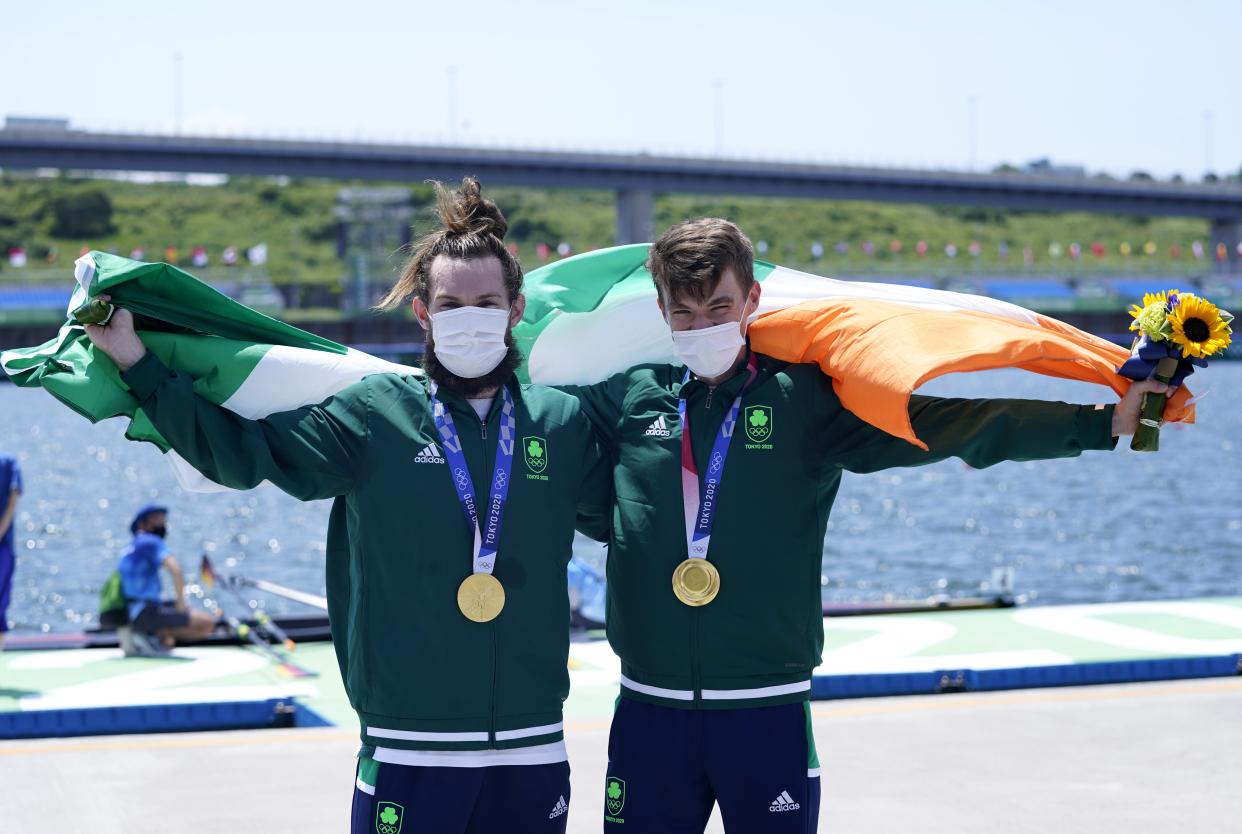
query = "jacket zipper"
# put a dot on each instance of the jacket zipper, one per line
(710, 391)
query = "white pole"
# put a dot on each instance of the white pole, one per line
(177, 91)
(971, 132)
(718, 85)
(452, 104)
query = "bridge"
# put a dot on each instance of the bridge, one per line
(635, 178)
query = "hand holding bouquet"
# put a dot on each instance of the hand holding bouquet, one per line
(1177, 331)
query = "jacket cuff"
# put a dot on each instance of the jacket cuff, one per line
(145, 375)
(1095, 428)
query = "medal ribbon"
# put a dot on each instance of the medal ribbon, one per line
(486, 537)
(699, 504)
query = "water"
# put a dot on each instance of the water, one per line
(1105, 526)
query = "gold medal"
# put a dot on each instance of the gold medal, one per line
(696, 582)
(481, 597)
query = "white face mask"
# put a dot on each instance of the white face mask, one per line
(470, 341)
(713, 350)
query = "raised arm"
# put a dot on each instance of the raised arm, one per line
(980, 432)
(311, 452)
(596, 490)
(602, 404)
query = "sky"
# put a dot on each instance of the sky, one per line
(1113, 86)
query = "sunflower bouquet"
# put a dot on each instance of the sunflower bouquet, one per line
(1177, 332)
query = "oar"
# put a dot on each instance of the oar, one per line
(211, 577)
(245, 632)
(313, 600)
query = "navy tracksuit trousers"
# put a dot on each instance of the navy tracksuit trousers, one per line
(668, 766)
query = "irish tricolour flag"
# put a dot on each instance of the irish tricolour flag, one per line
(595, 314)
(587, 317)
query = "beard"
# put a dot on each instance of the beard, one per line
(472, 387)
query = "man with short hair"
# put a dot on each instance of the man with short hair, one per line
(714, 601)
(10, 491)
(139, 567)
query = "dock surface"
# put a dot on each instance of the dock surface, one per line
(1136, 758)
(1156, 756)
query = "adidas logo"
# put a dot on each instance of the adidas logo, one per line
(561, 809)
(784, 802)
(431, 454)
(658, 429)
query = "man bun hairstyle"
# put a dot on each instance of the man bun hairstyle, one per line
(688, 259)
(471, 226)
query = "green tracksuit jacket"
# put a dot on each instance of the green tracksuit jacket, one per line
(420, 675)
(759, 640)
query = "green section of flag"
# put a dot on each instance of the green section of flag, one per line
(180, 300)
(188, 324)
(78, 375)
(586, 283)
(581, 283)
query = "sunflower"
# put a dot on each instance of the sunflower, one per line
(1151, 318)
(1200, 328)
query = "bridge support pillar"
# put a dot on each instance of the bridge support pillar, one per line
(635, 216)
(1228, 232)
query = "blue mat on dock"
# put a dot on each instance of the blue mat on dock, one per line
(158, 718)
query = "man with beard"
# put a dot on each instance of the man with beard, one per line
(448, 606)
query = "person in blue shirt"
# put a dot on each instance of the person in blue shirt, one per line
(10, 490)
(140, 580)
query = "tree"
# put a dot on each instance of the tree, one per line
(81, 214)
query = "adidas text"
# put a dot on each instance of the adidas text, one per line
(561, 809)
(430, 454)
(659, 428)
(784, 802)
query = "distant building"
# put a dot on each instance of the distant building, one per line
(1044, 167)
(36, 124)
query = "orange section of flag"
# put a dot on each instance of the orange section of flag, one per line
(879, 353)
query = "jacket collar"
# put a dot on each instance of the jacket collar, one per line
(456, 403)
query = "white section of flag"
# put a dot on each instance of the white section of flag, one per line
(287, 378)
